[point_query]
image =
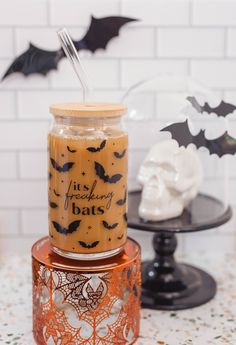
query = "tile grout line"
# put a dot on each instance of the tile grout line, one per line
(190, 13)
(225, 43)
(20, 230)
(48, 9)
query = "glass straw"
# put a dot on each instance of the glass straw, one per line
(71, 53)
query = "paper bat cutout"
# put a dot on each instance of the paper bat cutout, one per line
(57, 194)
(100, 172)
(97, 149)
(223, 109)
(71, 228)
(180, 132)
(66, 167)
(109, 227)
(70, 150)
(53, 204)
(121, 202)
(101, 31)
(120, 237)
(88, 246)
(119, 155)
(37, 60)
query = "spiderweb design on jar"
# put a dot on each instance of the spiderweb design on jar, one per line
(86, 308)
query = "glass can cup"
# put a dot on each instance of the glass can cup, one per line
(87, 188)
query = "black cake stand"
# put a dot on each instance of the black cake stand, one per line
(166, 284)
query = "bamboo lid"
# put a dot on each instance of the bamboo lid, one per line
(88, 109)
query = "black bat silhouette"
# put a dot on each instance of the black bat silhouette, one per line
(97, 149)
(120, 237)
(109, 227)
(180, 132)
(37, 60)
(101, 31)
(119, 155)
(66, 167)
(100, 172)
(57, 194)
(223, 109)
(125, 217)
(70, 150)
(121, 202)
(52, 204)
(65, 231)
(88, 246)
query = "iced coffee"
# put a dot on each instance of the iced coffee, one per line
(87, 189)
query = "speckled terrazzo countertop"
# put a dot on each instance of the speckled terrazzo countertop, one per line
(213, 323)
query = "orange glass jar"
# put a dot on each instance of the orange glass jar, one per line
(79, 302)
(88, 161)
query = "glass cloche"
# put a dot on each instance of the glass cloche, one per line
(181, 144)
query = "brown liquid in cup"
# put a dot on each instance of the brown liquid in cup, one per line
(87, 192)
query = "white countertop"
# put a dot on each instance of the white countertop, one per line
(213, 323)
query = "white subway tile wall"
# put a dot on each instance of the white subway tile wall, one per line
(186, 37)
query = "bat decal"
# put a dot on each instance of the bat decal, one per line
(109, 227)
(37, 60)
(121, 202)
(120, 237)
(53, 204)
(71, 228)
(125, 217)
(180, 132)
(66, 167)
(223, 109)
(97, 149)
(88, 246)
(57, 194)
(100, 32)
(70, 150)
(100, 172)
(119, 155)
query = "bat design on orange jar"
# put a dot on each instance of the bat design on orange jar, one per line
(55, 192)
(65, 231)
(70, 150)
(100, 172)
(97, 149)
(121, 202)
(52, 204)
(88, 246)
(119, 155)
(64, 168)
(109, 227)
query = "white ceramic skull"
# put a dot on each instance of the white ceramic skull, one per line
(171, 177)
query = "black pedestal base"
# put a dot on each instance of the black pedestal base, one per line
(193, 287)
(168, 285)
